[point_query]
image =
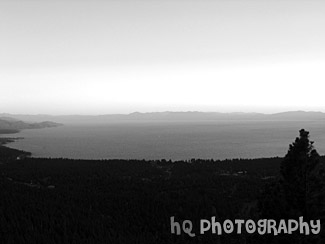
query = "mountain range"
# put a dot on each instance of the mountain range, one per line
(32, 121)
(10, 125)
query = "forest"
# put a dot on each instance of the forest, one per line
(58, 200)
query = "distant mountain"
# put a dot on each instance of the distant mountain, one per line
(8, 118)
(299, 115)
(11, 125)
(192, 116)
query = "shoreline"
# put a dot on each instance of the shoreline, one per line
(8, 153)
(6, 140)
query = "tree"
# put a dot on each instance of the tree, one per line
(302, 177)
(299, 191)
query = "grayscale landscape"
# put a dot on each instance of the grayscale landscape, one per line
(162, 121)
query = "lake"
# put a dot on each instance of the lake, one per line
(217, 140)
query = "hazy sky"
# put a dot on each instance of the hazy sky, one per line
(97, 57)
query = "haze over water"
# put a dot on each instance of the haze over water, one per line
(217, 140)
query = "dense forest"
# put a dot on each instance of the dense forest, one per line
(44, 200)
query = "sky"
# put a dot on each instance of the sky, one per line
(101, 57)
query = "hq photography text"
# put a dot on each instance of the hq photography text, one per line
(240, 226)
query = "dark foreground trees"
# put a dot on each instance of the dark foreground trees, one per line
(300, 189)
(303, 178)
(60, 201)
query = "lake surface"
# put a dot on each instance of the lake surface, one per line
(217, 140)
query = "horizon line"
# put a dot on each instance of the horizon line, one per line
(166, 111)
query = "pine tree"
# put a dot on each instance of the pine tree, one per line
(302, 177)
(299, 191)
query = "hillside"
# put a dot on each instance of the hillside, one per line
(123, 201)
(10, 125)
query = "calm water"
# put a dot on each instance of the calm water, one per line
(171, 141)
